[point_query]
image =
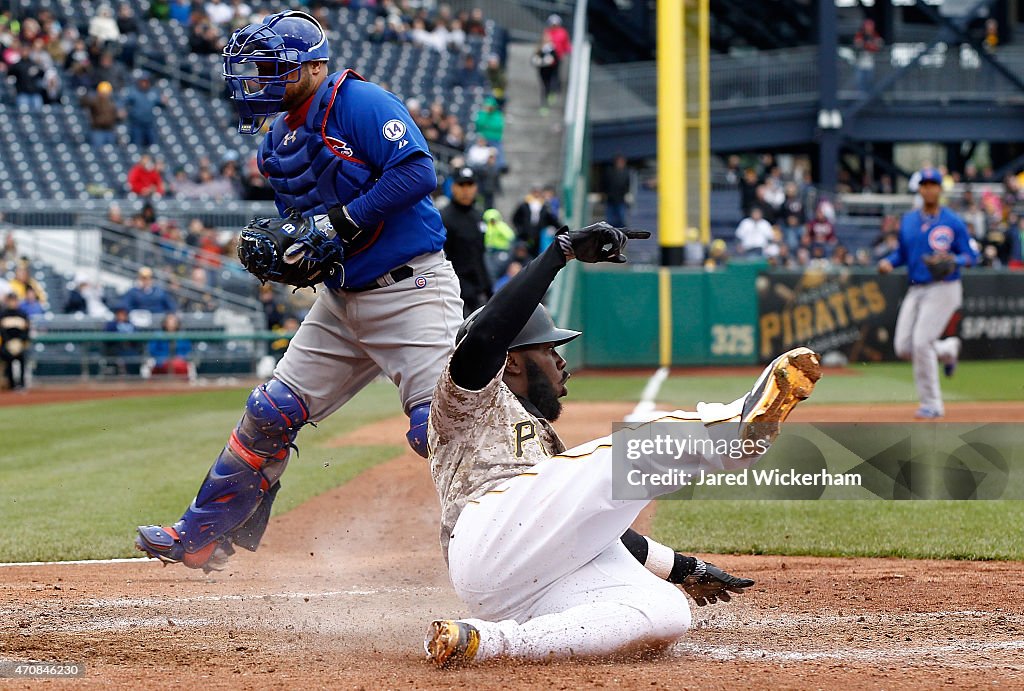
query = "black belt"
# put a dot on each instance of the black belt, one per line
(388, 279)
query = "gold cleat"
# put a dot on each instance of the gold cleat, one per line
(789, 379)
(451, 643)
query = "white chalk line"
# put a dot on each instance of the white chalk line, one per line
(129, 602)
(646, 405)
(917, 653)
(75, 562)
(748, 617)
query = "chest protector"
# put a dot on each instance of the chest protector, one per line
(312, 171)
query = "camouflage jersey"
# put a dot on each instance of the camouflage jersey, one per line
(479, 439)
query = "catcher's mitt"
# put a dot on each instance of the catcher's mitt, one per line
(940, 264)
(292, 250)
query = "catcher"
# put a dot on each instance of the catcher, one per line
(537, 547)
(934, 246)
(352, 177)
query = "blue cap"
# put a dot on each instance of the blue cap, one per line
(931, 175)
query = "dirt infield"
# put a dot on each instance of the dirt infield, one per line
(95, 391)
(342, 589)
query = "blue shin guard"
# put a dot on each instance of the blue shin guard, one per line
(234, 501)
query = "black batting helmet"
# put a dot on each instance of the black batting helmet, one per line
(539, 329)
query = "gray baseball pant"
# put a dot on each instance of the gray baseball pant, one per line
(924, 314)
(405, 331)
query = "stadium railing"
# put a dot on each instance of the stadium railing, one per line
(116, 253)
(47, 213)
(95, 353)
(777, 77)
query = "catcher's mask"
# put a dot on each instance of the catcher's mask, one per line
(260, 60)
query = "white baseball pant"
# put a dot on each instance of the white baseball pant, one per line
(541, 567)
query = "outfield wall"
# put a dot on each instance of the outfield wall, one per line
(744, 314)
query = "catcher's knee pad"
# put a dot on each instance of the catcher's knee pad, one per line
(274, 414)
(235, 499)
(417, 434)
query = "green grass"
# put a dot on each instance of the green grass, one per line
(913, 529)
(918, 529)
(76, 478)
(890, 382)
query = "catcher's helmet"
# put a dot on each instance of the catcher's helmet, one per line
(260, 60)
(538, 330)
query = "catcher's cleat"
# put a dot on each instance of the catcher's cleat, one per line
(164, 544)
(949, 365)
(789, 379)
(451, 643)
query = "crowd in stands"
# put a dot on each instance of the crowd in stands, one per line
(151, 303)
(46, 60)
(92, 64)
(94, 67)
(484, 264)
(785, 221)
(442, 30)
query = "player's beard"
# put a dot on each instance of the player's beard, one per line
(297, 94)
(542, 393)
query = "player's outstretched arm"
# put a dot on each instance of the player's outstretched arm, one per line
(482, 352)
(705, 583)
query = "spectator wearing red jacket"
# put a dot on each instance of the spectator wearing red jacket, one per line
(144, 178)
(820, 231)
(559, 36)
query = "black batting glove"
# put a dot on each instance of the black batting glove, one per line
(599, 242)
(708, 584)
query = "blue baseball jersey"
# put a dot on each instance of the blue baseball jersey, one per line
(353, 133)
(922, 235)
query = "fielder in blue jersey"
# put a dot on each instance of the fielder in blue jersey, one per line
(352, 174)
(934, 246)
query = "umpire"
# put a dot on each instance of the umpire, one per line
(465, 242)
(934, 246)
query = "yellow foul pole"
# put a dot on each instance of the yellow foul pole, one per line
(673, 154)
(672, 211)
(704, 49)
